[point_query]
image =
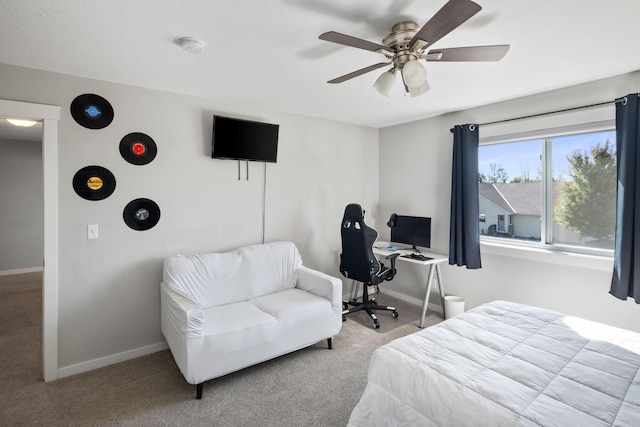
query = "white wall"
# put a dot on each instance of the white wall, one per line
(21, 220)
(109, 287)
(415, 174)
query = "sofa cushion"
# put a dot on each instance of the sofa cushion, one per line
(294, 306)
(235, 326)
(268, 268)
(222, 278)
(301, 318)
(204, 278)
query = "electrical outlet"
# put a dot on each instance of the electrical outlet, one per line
(92, 231)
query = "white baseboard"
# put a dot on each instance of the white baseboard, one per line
(409, 299)
(101, 362)
(20, 271)
(402, 297)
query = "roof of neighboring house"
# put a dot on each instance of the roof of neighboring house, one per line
(523, 198)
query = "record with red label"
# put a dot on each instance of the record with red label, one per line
(141, 214)
(92, 111)
(94, 183)
(138, 148)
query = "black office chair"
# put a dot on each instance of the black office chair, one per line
(358, 262)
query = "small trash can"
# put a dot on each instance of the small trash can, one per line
(453, 305)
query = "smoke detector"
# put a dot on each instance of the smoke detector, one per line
(191, 44)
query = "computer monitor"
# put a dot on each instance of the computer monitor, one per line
(411, 230)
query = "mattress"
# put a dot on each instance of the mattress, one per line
(505, 364)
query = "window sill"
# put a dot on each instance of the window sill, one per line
(549, 255)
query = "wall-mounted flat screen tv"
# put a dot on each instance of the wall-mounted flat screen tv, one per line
(239, 139)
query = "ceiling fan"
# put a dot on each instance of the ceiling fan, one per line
(407, 43)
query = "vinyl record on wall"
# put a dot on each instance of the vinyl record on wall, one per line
(94, 183)
(92, 111)
(141, 214)
(138, 148)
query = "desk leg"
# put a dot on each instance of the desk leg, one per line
(425, 303)
(441, 286)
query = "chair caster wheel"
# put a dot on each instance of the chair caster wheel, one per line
(344, 318)
(394, 314)
(376, 325)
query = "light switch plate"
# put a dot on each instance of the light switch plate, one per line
(92, 231)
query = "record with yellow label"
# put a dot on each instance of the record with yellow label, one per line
(141, 214)
(94, 183)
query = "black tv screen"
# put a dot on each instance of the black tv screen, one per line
(239, 139)
(411, 230)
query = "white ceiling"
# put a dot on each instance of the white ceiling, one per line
(266, 53)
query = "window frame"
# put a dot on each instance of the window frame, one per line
(546, 127)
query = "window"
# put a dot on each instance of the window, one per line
(552, 189)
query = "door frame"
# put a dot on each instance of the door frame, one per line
(49, 115)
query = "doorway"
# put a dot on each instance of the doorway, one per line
(49, 115)
(21, 247)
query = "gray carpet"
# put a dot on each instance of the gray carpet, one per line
(311, 387)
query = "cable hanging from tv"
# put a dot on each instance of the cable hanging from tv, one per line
(247, 162)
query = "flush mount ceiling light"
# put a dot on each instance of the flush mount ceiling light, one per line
(191, 44)
(407, 44)
(22, 123)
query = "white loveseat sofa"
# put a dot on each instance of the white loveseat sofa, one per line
(221, 312)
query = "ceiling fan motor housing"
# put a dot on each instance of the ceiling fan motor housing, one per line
(399, 41)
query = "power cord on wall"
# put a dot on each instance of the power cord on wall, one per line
(264, 194)
(264, 199)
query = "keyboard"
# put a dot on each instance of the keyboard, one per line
(418, 257)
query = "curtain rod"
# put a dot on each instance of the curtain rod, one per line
(550, 112)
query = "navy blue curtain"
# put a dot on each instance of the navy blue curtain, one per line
(625, 283)
(464, 231)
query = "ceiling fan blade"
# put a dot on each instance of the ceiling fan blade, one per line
(470, 53)
(358, 72)
(343, 39)
(449, 17)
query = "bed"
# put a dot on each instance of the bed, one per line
(505, 364)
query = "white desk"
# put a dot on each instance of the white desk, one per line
(433, 264)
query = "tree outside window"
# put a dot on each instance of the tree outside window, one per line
(586, 202)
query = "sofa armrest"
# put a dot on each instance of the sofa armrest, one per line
(180, 315)
(321, 284)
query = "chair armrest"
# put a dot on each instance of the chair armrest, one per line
(180, 315)
(321, 284)
(392, 257)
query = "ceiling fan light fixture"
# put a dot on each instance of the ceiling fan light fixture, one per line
(413, 73)
(385, 83)
(419, 90)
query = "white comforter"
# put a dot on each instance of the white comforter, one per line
(505, 364)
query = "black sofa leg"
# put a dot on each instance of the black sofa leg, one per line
(199, 391)
(330, 343)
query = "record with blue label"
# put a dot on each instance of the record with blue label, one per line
(138, 148)
(94, 183)
(92, 111)
(141, 214)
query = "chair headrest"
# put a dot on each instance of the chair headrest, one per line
(354, 211)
